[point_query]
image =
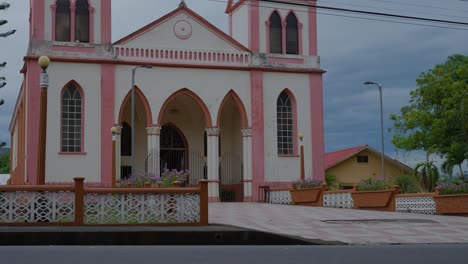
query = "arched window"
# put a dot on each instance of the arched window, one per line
(284, 109)
(292, 34)
(82, 21)
(72, 109)
(62, 21)
(126, 140)
(276, 33)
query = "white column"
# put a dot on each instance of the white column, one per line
(118, 157)
(213, 163)
(247, 160)
(154, 133)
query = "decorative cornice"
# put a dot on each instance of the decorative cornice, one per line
(153, 130)
(246, 132)
(213, 131)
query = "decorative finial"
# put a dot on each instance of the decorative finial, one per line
(182, 3)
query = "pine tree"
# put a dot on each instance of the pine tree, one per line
(4, 6)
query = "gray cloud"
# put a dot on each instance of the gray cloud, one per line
(352, 51)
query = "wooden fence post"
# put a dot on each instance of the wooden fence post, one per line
(79, 200)
(203, 202)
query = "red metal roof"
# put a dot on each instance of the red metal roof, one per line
(333, 158)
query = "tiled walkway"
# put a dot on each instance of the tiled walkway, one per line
(308, 222)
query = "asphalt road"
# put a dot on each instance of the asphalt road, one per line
(426, 254)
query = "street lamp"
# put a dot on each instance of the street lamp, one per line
(44, 63)
(381, 123)
(133, 113)
(301, 137)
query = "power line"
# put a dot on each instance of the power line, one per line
(370, 13)
(363, 18)
(420, 5)
(392, 9)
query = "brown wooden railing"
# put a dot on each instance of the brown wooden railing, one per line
(78, 205)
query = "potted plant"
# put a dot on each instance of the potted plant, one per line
(308, 192)
(452, 198)
(375, 194)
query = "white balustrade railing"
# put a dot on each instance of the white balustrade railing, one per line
(338, 200)
(130, 208)
(37, 207)
(279, 197)
(416, 204)
(181, 56)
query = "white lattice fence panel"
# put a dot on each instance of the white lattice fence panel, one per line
(419, 205)
(141, 208)
(280, 197)
(36, 207)
(338, 200)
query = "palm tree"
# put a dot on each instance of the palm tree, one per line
(455, 156)
(428, 175)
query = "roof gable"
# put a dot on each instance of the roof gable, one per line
(182, 29)
(333, 158)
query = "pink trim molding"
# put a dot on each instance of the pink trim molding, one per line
(107, 120)
(316, 110)
(258, 129)
(106, 21)
(143, 99)
(240, 107)
(312, 30)
(32, 104)
(254, 26)
(38, 20)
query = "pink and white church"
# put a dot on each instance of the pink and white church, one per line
(226, 106)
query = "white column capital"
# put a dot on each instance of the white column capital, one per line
(212, 131)
(118, 129)
(246, 132)
(153, 130)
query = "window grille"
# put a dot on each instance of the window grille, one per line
(285, 125)
(62, 21)
(276, 34)
(72, 120)
(292, 34)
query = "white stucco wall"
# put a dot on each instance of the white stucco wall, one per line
(48, 19)
(158, 84)
(286, 168)
(59, 167)
(302, 15)
(163, 36)
(240, 25)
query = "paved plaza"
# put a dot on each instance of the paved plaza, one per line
(342, 225)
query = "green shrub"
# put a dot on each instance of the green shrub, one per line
(407, 183)
(332, 181)
(373, 185)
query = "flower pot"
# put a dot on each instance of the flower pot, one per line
(307, 197)
(452, 204)
(375, 200)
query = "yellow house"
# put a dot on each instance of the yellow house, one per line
(352, 165)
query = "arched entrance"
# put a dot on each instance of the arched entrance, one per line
(174, 149)
(185, 118)
(231, 120)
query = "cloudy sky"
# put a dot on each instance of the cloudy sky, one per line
(352, 51)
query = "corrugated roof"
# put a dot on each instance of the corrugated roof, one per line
(336, 157)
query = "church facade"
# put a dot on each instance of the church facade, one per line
(228, 107)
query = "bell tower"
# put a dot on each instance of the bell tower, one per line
(288, 28)
(72, 21)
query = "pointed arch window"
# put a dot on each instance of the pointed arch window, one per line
(72, 120)
(292, 34)
(82, 21)
(276, 33)
(284, 109)
(63, 21)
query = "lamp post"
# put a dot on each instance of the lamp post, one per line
(381, 123)
(44, 63)
(133, 113)
(301, 137)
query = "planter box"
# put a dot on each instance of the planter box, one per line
(308, 197)
(452, 204)
(375, 200)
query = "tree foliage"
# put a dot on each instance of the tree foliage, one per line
(436, 120)
(5, 164)
(4, 6)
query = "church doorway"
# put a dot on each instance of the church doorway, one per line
(174, 149)
(231, 153)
